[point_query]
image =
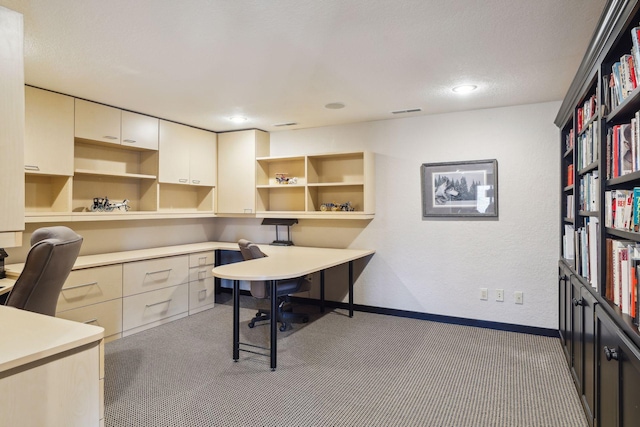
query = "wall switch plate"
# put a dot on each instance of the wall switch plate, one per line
(500, 295)
(484, 294)
(519, 296)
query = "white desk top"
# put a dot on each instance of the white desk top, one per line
(6, 285)
(27, 336)
(284, 262)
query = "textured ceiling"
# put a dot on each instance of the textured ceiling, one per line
(275, 61)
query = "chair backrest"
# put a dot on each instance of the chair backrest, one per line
(53, 252)
(249, 250)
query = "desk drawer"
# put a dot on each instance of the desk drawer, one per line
(201, 293)
(107, 315)
(144, 276)
(91, 286)
(202, 258)
(200, 273)
(141, 309)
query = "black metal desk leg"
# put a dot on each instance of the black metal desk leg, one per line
(217, 282)
(236, 320)
(350, 288)
(321, 291)
(274, 325)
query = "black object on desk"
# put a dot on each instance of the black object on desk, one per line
(288, 222)
(3, 255)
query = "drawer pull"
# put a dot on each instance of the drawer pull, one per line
(31, 167)
(130, 141)
(94, 320)
(577, 302)
(80, 286)
(195, 181)
(158, 303)
(202, 275)
(149, 273)
(183, 180)
(110, 137)
(202, 260)
(202, 295)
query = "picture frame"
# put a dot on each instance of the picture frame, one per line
(460, 189)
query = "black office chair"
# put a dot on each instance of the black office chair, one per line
(284, 288)
(53, 252)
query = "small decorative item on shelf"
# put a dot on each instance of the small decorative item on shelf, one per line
(103, 205)
(333, 206)
(281, 178)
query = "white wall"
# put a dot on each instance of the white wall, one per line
(438, 266)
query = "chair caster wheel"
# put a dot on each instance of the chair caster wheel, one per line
(305, 320)
(251, 324)
(283, 328)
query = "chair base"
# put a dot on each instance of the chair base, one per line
(285, 317)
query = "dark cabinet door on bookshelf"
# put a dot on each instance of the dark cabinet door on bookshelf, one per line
(618, 375)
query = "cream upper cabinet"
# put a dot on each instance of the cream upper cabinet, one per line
(139, 131)
(202, 158)
(187, 155)
(237, 152)
(97, 122)
(11, 128)
(48, 145)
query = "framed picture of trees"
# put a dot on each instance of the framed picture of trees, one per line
(460, 189)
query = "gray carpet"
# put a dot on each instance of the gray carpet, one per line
(371, 370)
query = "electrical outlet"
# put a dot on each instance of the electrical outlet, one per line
(500, 295)
(484, 294)
(518, 295)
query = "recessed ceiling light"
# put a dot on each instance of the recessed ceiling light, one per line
(464, 88)
(238, 119)
(334, 105)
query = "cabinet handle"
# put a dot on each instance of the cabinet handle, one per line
(130, 141)
(202, 275)
(577, 302)
(610, 353)
(195, 181)
(80, 286)
(94, 320)
(202, 260)
(183, 180)
(110, 137)
(31, 167)
(148, 273)
(158, 303)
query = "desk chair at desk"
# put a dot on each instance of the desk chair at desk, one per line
(53, 252)
(284, 288)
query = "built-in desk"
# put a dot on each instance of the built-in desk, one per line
(51, 371)
(284, 262)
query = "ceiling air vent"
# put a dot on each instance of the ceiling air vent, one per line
(284, 124)
(412, 110)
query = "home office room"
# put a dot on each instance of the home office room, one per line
(415, 199)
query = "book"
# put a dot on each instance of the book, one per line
(626, 154)
(593, 231)
(636, 209)
(615, 72)
(635, 40)
(629, 73)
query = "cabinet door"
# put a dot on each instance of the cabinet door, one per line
(11, 128)
(173, 153)
(97, 122)
(202, 158)
(588, 362)
(48, 144)
(576, 335)
(618, 375)
(564, 308)
(139, 131)
(237, 152)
